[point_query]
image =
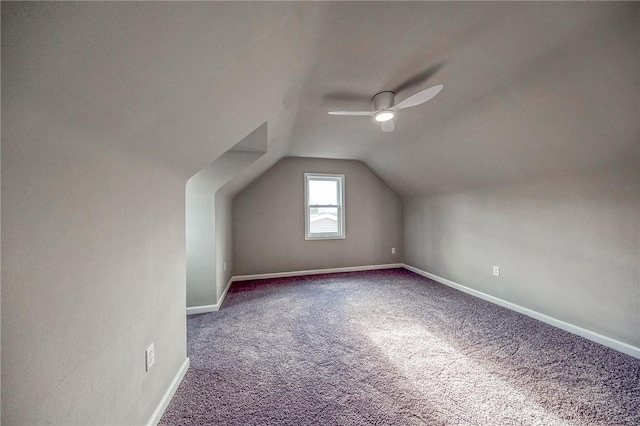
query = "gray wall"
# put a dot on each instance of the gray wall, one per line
(268, 224)
(200, 234)
(568, 248)
(93, 250)
(92, 273)
(224, 240)
(0, 283)
(202, 223)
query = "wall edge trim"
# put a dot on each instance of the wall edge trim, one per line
(316, 272)
(171, 390)
(203, 309)
(610, 342)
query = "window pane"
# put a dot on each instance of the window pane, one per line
(323, 192)
(324, 212)
(323, 221)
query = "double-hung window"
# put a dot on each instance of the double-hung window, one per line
(324, 206)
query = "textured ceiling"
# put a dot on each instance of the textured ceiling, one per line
(531, 89)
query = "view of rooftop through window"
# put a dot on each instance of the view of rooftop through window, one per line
(323, 219)
(324, 206)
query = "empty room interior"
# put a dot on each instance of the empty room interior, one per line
(238, 213)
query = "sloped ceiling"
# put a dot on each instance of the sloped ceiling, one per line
(530, 88)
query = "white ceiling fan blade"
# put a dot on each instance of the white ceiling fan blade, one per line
(369, 113)
(388, 126)
(419, 98)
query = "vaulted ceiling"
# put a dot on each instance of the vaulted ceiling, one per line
(530, 89)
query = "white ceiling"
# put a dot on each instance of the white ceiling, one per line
(531, 89)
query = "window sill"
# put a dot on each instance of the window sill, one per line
(340, 237)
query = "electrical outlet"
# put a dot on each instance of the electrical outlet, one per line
(496, 271)
(224, 266)
(149, 356)
(393, 250)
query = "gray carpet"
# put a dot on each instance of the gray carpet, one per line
(392, 348)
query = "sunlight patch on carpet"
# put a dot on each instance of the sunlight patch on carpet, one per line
(423, 358)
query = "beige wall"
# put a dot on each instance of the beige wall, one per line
(268, 223)
(568, 248)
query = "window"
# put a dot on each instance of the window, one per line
(324, 206)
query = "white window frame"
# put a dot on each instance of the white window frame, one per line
(339, 178)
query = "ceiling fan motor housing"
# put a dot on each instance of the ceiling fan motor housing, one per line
(383, 100)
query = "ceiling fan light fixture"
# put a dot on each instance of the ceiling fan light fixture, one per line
(383, 116)
(384, 106)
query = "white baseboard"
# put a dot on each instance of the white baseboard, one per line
(571, 328)
(316, 271)
(166, 398)
(203, 309)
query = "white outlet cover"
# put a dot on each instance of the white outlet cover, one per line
(393, 250)
(150, 357)
(496, 271)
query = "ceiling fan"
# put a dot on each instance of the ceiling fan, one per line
(384, 106)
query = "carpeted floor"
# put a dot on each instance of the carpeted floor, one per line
(392, 348)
